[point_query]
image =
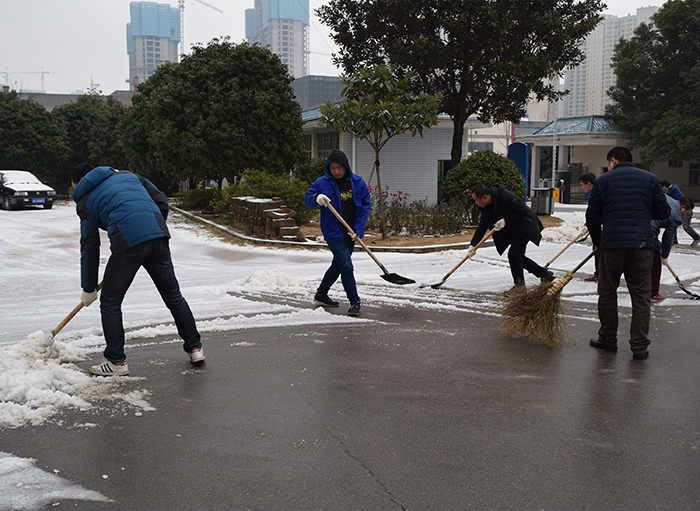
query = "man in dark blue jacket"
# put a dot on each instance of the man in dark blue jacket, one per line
(133, 212)
(622, 205)
(349, 196)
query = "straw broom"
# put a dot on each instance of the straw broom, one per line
(537, 314)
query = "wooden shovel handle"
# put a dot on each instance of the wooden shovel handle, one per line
(486, 236)
(362, 243)
(70, 316)
(583, 231)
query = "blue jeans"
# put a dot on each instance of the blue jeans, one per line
(341, 266)
(154, 255)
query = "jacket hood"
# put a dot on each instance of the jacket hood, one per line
(91, 180)
(337, 156)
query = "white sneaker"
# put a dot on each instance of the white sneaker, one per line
(107, 368)
(196, 355)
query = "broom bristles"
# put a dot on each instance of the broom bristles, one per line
(535, 314)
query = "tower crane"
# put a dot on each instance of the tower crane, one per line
(181, 6)
(42, 73)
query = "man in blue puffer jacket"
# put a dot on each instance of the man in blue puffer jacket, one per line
(133, 212)
(349, 196)
(622, 205)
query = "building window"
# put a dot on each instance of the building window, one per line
(326, 142)
(675, 163)
(694, 174)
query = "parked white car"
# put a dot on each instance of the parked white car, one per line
(19, 188)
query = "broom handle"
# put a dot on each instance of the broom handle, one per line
(583, 231)
(486, 236)
(585, 260)
(72, 313)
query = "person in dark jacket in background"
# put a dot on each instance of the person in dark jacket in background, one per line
(349, 196)
(675, 192)
(679, 209)
(515, 225)
(586, 181)
(622, 205)
(133, 212)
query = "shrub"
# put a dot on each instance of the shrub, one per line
(487, 168)
(199, 198)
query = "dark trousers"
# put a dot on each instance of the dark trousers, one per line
(154, 256)
(519, 262)
(635, 265)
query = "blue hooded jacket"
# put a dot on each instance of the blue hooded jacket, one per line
(129, 207)
(622, 205)
(331, 228)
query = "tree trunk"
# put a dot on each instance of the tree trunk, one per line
(381, 195)
(458, 118)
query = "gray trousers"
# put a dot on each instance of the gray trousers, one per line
(635, 265)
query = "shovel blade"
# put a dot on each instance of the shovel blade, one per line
(397, 279)
(437, 284)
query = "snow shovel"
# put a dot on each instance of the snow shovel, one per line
(695, 297)
(63, 323)
(438, 284)
(389, 277)
(583, 231)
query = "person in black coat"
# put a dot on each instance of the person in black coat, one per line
(515, 225)
(623, 203)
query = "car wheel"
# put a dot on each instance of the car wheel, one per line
(6, 203)
(48, 205)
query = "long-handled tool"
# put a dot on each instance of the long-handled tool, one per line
(583, 231)
(680, 284)
(557, 285)
(438, 284)
(63, 323)
(389, 277)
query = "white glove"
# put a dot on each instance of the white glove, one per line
(664, 261)
(88, 298)
(322, 200)
(500, 224)
(470, 252)
(353, 236)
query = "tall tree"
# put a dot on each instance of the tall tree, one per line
(223, 109)
(30, 139)
(657, 90)
(485, 57)
(376, 109)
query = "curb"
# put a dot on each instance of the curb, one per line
(315, 245)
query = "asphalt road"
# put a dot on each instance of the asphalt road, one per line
(419, 410)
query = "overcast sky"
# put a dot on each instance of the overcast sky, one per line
(79, 43)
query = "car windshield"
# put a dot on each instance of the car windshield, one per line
(18, 176)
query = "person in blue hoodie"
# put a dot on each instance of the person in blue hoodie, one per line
(133, 212)
(349, 196)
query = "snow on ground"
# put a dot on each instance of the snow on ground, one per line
(230, 287)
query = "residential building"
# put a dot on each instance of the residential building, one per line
(589, 82)
(313, 91)
(283, 27)
(152, 37)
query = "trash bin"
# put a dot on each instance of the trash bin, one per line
(565, 186)
(542, 201)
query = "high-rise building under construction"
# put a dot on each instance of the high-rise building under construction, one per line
(152, 37)
(283, 27)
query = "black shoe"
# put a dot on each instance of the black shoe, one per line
(325, 300)
(599, 343)
(354, 309)
(548, 277)
(640, 355)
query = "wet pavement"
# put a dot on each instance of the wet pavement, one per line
(417, 410)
